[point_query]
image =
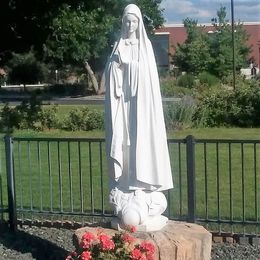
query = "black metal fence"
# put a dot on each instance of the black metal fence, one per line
(216, 181)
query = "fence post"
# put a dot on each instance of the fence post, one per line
(10, 183)
(190, 153)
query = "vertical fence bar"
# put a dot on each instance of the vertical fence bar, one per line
(20, 175)
(230, 185)
(10, 183)
(218, 181)
(50, 175)
(101, 177)
(70, 179)
(91, 178)
(1, 185)
(256, 186)
(40, 173)
(206, 180)
(80, 180)
(180, 177)
(60, 177)
(190, 150)
(243, 182)
(30, 173)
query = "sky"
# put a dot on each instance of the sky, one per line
(204, 10)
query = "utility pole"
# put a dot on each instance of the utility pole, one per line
(258, 43)
(233, 44)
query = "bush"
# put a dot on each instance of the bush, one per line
(49, 118)
(225, 107)
(186, 81)
(179, 115)
(84, 119)
(25, 69)
(24, 116)
(9, 119)
(170, 89)
(208, 79)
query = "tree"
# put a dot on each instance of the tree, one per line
(212, 52)
(193, 55)
(83, 34)
(221, 45)
(79, 35)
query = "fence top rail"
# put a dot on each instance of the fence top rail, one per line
(228, 141)
(170, 140)
(58, 139)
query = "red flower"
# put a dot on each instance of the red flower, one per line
(147, 247)
(127, 238)
(88, 236)
(86, 255)
(106, 243)
(132, 228)
(136, 254)
(86, 240)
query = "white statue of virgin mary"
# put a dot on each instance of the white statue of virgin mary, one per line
(138, 157)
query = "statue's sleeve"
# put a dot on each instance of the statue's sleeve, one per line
(116, 77)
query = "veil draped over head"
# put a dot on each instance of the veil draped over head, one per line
(149, 142)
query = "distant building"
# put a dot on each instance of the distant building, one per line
(176, 33)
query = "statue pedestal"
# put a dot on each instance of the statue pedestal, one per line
(177, 240)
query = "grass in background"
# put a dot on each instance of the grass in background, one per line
(39, 174)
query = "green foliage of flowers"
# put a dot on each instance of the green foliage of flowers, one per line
(226, 107)
(24, 116)
(179, 114)
(30, 114)
(84, 119)
(120, 246)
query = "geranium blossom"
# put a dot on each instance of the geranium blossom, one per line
(132, 228)
(136, 254)
(86, 255)
(120, 246)
(106, 243)
(87, 240)
(148, 247)
(126, 238)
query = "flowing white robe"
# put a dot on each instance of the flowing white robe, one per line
(137, 150)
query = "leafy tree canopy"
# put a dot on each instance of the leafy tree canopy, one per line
(212, 52)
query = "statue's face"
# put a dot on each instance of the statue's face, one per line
(131, 23)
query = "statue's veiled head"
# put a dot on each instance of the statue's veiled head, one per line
(131, 20)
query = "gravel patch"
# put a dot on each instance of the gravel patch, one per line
(235, 251)
(36, 243)
(55, 243)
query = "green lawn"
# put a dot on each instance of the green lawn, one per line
(58, 176)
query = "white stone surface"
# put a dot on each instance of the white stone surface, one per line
(138, 157)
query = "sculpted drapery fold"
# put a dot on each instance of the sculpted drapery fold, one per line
(137, 148)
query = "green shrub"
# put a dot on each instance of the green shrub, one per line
(179, 114)
(95, 120)
(207, 79)
(169, 88)
(49, 118)
(226, 107)
(24, 116)
(9, 119)
(29, 113)
(84, 119)
(186, 81)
